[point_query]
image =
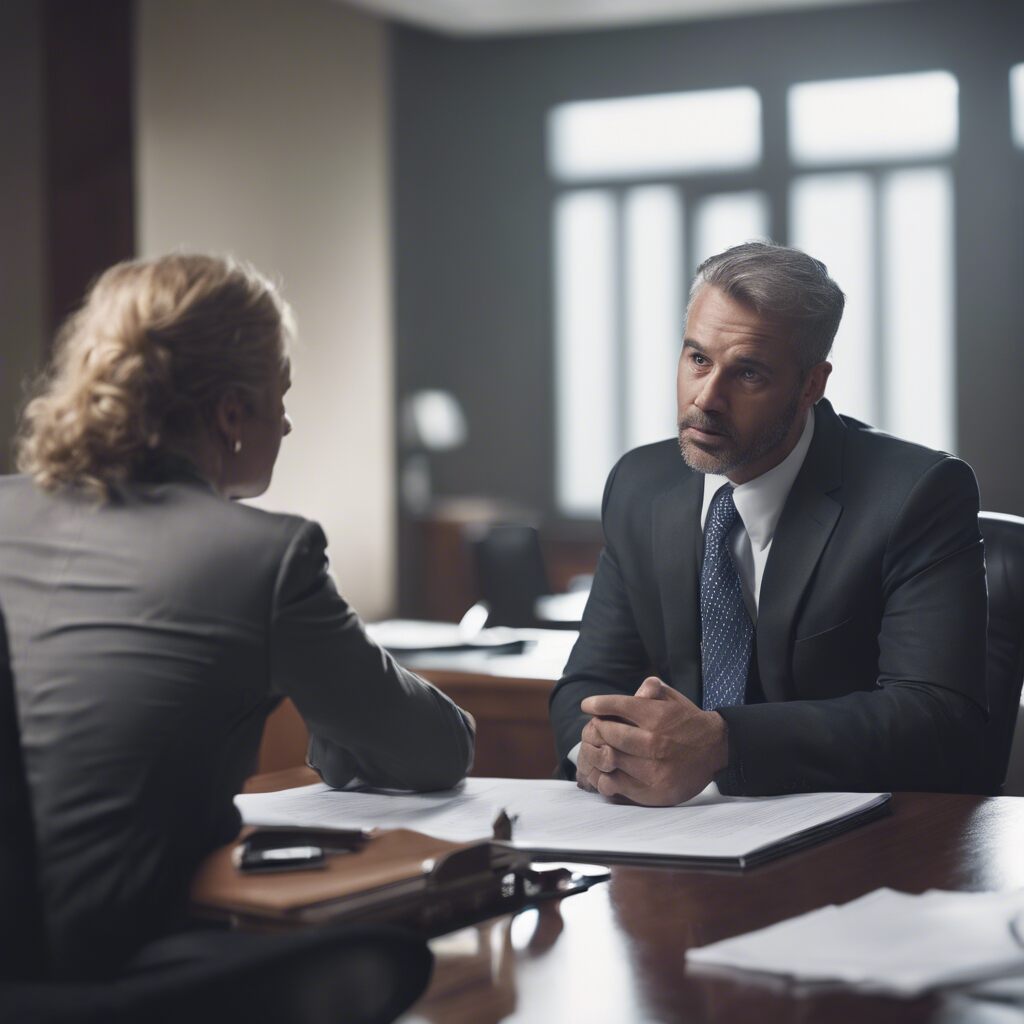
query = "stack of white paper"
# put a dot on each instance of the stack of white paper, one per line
(887, 941)
(558, 817)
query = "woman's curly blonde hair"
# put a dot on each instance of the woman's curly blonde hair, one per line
(141, 366)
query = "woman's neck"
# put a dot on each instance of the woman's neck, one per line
(205, 457)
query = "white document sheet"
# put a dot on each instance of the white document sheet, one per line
(416, 635)
(552, 815)
(887, 941)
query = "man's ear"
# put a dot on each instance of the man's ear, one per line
(228, 416)
(814, 384)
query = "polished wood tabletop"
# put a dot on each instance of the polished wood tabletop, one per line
(616, 952)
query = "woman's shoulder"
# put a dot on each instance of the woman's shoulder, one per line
(233, 520)
(285, 528)
(185, 515)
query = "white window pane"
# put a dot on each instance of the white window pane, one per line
(728, 219)
(1017, 103)
(919, 358)
(832, 218)
(653, 226)
(587, 420)
(883, 118)
(716, 129)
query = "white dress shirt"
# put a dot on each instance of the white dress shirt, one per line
(759, 503)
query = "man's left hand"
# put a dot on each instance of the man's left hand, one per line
(655, 748)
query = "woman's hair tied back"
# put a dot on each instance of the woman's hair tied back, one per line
(141, 366)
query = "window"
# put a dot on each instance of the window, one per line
(1017, 104)
(647, 187)
(619, 306)
(917, 334)
(654, 306)
(621, 262)
(888, 240)
(722, 220)
(587, 418)
(890, 117)
(886, 235)
(646, 135)
(833, 217)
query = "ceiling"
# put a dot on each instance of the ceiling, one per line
(507, 17)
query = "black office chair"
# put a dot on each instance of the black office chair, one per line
(315, 976)
(510, 573)
(1004, 563)
(22, 950)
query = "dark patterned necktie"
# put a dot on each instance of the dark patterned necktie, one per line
(726, 630)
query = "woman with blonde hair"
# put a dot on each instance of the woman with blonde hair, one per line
(152, 624)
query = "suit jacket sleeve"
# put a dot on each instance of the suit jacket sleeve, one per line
(920, 727)
(367, 716)
(609, 656)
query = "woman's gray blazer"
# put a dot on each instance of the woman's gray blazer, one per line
(149, 638)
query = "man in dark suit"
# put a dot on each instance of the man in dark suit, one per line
(798, 602)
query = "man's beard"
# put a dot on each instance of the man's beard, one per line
(732, 457)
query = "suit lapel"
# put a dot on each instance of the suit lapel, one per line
(807, 521)
(677, 554)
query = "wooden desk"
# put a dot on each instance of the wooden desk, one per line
(513, 735)
(509, 701)
(615, 953)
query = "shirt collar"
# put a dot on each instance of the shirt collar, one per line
(760, 501)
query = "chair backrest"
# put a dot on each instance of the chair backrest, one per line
(1004, 563)
(22, 949)
(510, 573)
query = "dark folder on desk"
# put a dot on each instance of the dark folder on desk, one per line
(798, 838)
(398, 876)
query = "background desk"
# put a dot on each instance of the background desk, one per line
(507, 694)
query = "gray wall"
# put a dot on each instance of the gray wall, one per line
(22, 208)
(472, 204)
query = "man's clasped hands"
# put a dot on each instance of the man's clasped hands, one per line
(655, 748)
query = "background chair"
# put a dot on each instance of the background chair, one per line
(313, 976)
(1004, 561)
(510, 573)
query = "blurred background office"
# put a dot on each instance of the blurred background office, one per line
(486, 215)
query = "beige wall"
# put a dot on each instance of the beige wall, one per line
(22, 209)
(262, 130)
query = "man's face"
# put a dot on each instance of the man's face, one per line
(742, 396)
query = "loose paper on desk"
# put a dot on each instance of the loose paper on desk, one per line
(511, 653)
(558, 817)
(888, 942)
(400, 635)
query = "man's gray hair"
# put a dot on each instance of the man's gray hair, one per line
(781, 284)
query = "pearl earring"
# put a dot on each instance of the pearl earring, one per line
(237, 446)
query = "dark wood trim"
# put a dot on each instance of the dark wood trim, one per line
(89, 140)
